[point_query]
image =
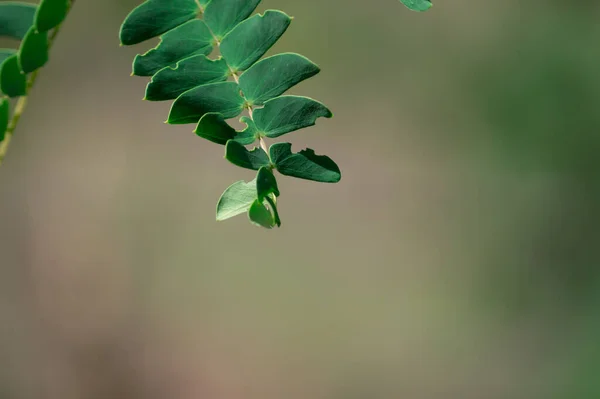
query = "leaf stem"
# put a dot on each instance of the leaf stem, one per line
(22, 101)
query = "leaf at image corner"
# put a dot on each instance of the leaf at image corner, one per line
(417, 5)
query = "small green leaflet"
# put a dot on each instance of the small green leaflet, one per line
(212, 127)
(4, 117)
(13, 83)
(16, 18)
(417, 5)
(238, 155)
(33, 53)
(236, 200)
(260, 215)
(50, 14)
(223, 98)
(305, 164)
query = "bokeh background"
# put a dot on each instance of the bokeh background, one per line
(458, 257)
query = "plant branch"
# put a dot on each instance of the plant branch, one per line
(22, 101)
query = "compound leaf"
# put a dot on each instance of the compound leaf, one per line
(223, 97)
(223, 15)
(260, 215)
(33, 53)
(251, 39)
(13, 82)
(236, 199)
(171, 82)
(417, 5)
(305, 164)
(4, 117)
(16, 18)
(189, 39)
(286, 114)
(274, 75)
(155, 17)
(238, 155)
(50, 14)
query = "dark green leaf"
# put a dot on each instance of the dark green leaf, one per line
(417, 5)
(223, 98)
(273, 206)
(223, 15)
(191, 38)
(288, 113)
(4, 117)
(272, 76)
(13, 82)
(212, 126)
(305, 164)
(16, 18)
(155, 17)
(50, 14)
(170, 83)
(236, 199)
(33, 53)
(238, 155)
(251, 39)
(6, 53)
(260, 215)
(266, 183)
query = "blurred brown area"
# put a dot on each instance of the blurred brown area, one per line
(457, 258)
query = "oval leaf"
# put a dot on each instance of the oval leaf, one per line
(251, 39)
(223, 98)
(417, 5)
(33, 53)
(170, 83)
(260, 215)
(305, 164)
(50, 14)
(236, 199)
(16, 18)
(274, 75)
(286, 114)
(221, 16)
(189, 39)
(155, 17)
(238, 155)
(266, 183)
(13, 82)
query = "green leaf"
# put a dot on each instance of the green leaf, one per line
(4, 117)
(274, 75)
(155, 17)
(236, 199)
(266, 183)
(223, 15)
(212, 126)
(288, 113)
(238, 155)
(305, 164)
(417, 5)
(171, 82)
(260, 215)
(251, 39)
(16, 18)
(33, 53)
(6, 53)
(191, 38)
(50, 14)
(13, 82)
(223, 98)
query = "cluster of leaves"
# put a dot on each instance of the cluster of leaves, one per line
(31, 24)
(209, 91)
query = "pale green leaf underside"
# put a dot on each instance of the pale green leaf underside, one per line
(236, 199)
(16, 18)
(417, 5)
(50, 14)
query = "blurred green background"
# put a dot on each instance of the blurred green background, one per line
(458, 257)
